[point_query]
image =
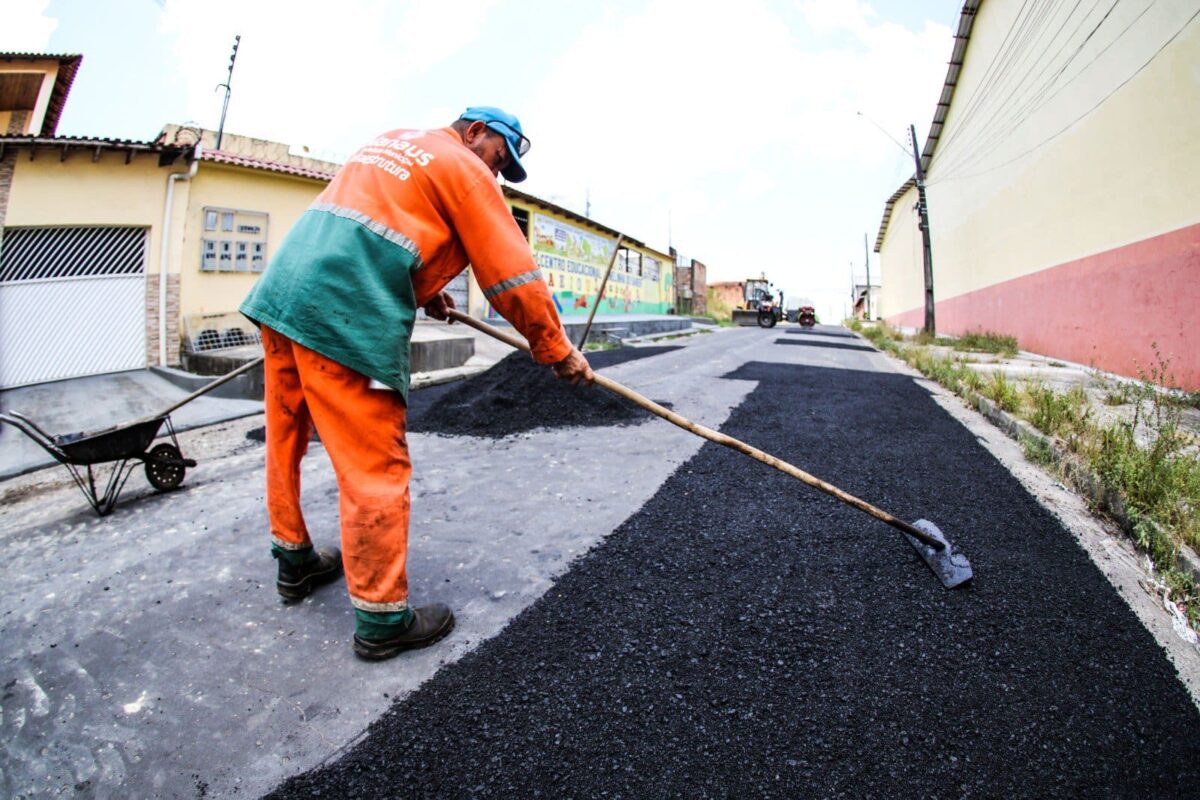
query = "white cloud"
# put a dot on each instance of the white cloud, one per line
(331, 75)
(747, 139)
(26, 27)
(754, 184)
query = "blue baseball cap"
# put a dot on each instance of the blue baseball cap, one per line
(509, 127)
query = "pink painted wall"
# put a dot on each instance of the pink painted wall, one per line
(1103, 310)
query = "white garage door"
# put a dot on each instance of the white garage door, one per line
(72, 303)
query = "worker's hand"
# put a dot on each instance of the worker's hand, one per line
(439, 305)
(574, 368)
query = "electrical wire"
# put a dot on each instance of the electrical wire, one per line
(1012, 80)
(1075, 121)
(1019, 74)
(995, 68)
(989, 139)
(969, 144)
(1022, 111)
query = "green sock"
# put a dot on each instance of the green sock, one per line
(377, 625)
(294, 558)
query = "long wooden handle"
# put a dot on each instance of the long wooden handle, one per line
(592, 314)
(208, 387)
(721, 439)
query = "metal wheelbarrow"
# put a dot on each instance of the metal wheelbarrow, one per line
(123, 445)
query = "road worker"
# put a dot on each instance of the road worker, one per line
(336, 307)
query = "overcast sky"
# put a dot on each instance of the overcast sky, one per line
(729, 130)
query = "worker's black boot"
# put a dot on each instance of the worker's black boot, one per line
(297, 581)
(428, 625)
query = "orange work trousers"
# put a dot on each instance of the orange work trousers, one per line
(362, 429)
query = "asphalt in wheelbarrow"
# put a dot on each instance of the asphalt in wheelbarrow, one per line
(742, 635)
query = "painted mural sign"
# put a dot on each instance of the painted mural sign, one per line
(573, 261)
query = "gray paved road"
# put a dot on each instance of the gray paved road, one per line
(145, 654)
(743, 636)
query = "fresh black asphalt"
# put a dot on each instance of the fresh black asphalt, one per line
(742, 635)
(518, 395)
(830, 345)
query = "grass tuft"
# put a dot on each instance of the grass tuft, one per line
(1003, 392)
(1054, 413)
(988, 342)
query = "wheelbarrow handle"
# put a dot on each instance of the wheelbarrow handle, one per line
(208, 387)
(27, 426)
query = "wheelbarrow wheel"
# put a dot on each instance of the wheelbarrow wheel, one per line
(164, 469)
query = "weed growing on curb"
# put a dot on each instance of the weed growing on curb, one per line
(1158, 481)
(1115, 399)
(881, 336)
(1053, 413)
(1037, 450)
(1002, 392)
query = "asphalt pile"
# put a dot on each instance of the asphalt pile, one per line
(742, 635)
(518, 395)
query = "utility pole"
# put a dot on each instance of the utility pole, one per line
(867, 261)
(853, 294)
(923, 213)
(225, 107)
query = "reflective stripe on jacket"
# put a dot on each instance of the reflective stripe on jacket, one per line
(402, 217)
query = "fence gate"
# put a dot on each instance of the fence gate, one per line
(456, 288)
(72, 302)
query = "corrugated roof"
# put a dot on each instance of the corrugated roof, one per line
(221, 157)
(966, 20)
(68, 65)
(167, 154)
(887, 209)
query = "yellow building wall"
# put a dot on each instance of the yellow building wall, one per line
(1127, 171)
(283, 197)
(48, 191)
(903, 287)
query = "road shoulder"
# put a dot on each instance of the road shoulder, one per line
(1108, 548)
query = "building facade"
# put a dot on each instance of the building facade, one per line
(724, 296)
(114, 252)
(118, 255)
(1063, 181)
(691, 288)
(573, 253)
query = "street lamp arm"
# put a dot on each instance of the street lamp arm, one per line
(896, 141)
